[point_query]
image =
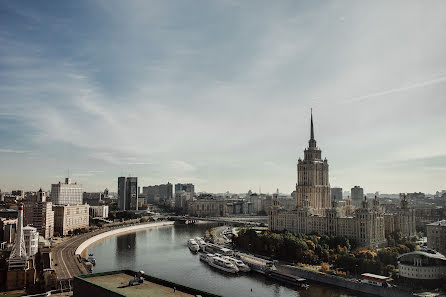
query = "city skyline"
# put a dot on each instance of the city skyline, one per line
(219, 94)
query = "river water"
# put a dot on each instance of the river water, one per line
(162, 252)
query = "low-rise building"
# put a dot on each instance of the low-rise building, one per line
(70, 217)
(100, 211)
(31, 237)
(436, 236)
(422, 268)
(207, 208)
(7, 230)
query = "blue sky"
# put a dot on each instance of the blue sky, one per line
(219, 93)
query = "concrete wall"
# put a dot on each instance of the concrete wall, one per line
(101, 236)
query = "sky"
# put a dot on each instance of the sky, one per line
(218, 93)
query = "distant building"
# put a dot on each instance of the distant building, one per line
(207, 208)
(7, 230)
(424, 216)
(357, 194)
(70, 217)
(128, 193)
(336, 194)
(20, 194)
(92, 198)
(190, 188)
(436, 236)
(402, 219)
(317, 213)
(31, 240)
(66, 193)
(100, 211)
(181, 200)
(158, 193)
(39, 213)
(422, 268)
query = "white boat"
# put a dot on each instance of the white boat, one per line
(193, 246)
(206, 257)
(239, 263)
(201, 243)
(223, 264)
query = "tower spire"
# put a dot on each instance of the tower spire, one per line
(312, 130)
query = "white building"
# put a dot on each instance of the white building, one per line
(66, 193)
(422, 268)
(31, 237)
(99, 211)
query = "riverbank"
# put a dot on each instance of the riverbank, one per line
(84, 245)
(343, 282)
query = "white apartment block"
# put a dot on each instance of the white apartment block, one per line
(66, 193)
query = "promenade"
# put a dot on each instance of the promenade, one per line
(67, 253)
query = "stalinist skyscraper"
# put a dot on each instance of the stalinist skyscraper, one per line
(313, 188)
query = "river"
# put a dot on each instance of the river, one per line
(162, 252)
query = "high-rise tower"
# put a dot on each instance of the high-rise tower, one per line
(18, 257)
(313, 188)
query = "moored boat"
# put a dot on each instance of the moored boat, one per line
(205, 257)
(289, 279)
(239, 263)
(193, 246)
(223, 264)
(91, 259)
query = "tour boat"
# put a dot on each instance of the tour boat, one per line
(206, 257)
(193, 246)
(201, 243)
(223, 264)
(239, 263)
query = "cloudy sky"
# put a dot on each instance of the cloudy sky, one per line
(218, 93)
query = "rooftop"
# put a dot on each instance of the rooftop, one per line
(428, 253)
(438, 223)
(118, 282)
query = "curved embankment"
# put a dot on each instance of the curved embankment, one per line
(101, 236)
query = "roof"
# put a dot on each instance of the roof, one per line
(428, 253)
(117, 282)
(438, 223)
(375, 277)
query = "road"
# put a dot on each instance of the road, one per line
(65, 262)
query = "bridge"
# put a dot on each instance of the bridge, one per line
(233, 221)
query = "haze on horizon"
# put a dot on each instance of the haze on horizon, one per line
(219, 93)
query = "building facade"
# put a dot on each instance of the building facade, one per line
(190, 188)
(357, 193)
(31, 237)
(336, 194)
(70, 217)
(66, 193)
(100, 211)
(207, 208)
(39, 213)
(158, 193)
(402, 219)
(422, 268)
(316, 213)
(128, 193)
(436, 236)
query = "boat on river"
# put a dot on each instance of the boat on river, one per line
(223, 264)
(205, 257)
(289, 279)
(239, 263)
(257, 264)
(193, 246)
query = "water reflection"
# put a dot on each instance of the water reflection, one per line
(126, 250)
(163, 252)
